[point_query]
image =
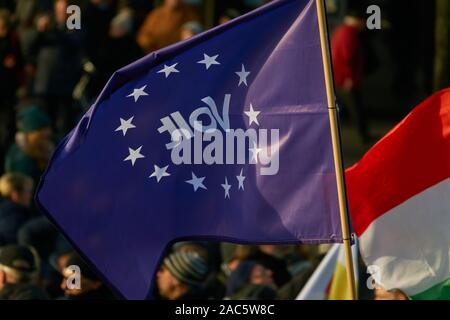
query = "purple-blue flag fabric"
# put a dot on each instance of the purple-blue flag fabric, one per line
(225, 136)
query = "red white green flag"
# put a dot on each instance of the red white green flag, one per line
(399, 197)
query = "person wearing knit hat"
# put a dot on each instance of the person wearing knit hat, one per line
(181, 276)
(33, 147)
(31, 119)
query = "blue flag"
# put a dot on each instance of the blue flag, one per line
(225, 136)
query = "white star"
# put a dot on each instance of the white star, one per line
(209, 61)
(134, 155)
(197, 182)
(169, 69)
(137, 93)
(159, 173)
(255, 151)
(252, 115)
(227, 188)
(241, 179)
(243, 74)
(125, 125)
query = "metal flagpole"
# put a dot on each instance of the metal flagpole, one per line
(336, 140)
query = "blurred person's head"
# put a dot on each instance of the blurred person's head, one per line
(355, 17)
(34, 135)
(60, 11)
(61, 254)
(173, 4)
(4, 23)
(122, 24)
(18, 264)
(277, 251)
(228, 15)
(88, 279)
(190, 29)
(249, 273)
(233, 254)
(17, 188)
(179, 273)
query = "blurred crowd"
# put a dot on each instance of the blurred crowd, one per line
(49, 76)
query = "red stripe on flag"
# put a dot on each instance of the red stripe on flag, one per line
(412, 157)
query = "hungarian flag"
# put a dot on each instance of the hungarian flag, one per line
(399, 196)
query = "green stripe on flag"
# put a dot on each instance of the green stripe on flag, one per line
(440, 291)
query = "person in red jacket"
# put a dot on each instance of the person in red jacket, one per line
(348, 66)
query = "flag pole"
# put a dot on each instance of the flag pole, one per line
(336, 141)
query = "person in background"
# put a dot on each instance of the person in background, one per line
(210, 252)
(190, 29)
(91, 287)
(19, 274)
(228, 15)
(56, 56)
(120, 49)
(34, 145)
(16, 191)
(251, 280)
(270, 257)
(96, 20)
(96, 27)
(181, 277)
(162, 27)
(11, 67)
(348, 62)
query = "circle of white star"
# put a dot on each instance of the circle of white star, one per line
(209, 61)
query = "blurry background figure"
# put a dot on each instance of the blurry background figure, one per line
(56, 53)
(57, 261)
(251, 280)
(10, 77)
(162, 27)
(19, 274)
(120, 49)
(190, 29)
(272, 258)
(210, 253)
(33, 147)
(348, 63)
(96, 27)
(91, 287)
(16, 191)
(181, 277)
(228, 15)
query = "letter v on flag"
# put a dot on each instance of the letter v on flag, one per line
(225, 136)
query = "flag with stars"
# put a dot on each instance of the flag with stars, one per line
(224, 136)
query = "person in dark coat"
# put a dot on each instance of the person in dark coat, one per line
(90, 287)
(250, 280)
(270, 261)
(16, 191)
(19, 274)
(11, 67)
(56, 52)
(119, 50)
